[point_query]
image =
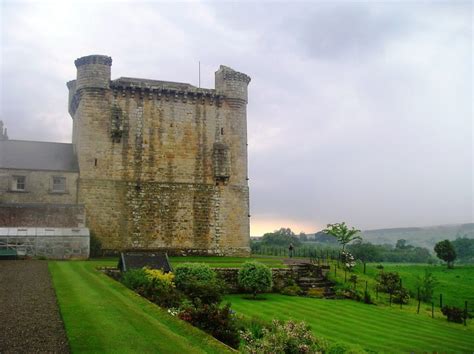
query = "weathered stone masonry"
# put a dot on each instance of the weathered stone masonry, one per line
(162, 164)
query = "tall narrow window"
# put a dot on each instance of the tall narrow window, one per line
(19, 183)
(59, 184)
(222, 131)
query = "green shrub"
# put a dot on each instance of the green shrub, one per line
(193, 271)
(199, 282)
(291, 290)
(255, 278)
(203, 291)
(135, 279)
(219, 322)
(388, 282)
(317, 293)
(345, 291)
(401, 295)
(254, 325)
(282, 337)
(95, 246)
(453, 313)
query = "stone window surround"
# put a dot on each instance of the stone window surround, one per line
(63, 191)
(14, 184)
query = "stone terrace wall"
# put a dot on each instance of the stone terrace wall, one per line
(42, 215)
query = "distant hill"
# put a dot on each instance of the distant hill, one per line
(419, 236)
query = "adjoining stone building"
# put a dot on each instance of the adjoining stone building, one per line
(160, 165)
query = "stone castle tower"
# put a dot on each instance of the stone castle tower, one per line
(163, 165)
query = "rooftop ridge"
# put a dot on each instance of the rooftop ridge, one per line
(35, 141)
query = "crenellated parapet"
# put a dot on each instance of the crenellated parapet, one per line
(166, 91)
(93, 59)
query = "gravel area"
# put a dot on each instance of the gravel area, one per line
(30, 321)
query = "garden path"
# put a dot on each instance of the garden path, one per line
(30, 318)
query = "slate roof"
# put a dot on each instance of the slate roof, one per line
(152, 260)
(37, 155)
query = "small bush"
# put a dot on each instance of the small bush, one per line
(401, 296)
(282, 337)
(253, 325)
(291, 290)
(135, 279)
(316, 293)
(453, 313)
(158, 276)
(255, 278)
(95, 245)
(199, 282)
(388, 282)
(204, 291)
(345, 291)
(219, 322)
(193, 272)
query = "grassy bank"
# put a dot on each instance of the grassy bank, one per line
(376, 328)
(102, 316)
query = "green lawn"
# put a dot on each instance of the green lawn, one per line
(376, 328)
(230, 262)
(102, 316)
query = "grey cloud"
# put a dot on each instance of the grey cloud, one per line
(358, 111)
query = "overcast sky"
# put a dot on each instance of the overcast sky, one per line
(358, 111)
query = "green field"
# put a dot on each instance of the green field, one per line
(102, 316)
(456, 285)
(375, 328)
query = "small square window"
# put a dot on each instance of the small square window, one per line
(19, 183)
(59, 184)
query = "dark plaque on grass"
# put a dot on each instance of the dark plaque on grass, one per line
(152, 260)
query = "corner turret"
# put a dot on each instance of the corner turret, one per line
(231, 83)
(3, 132)
(93, 71)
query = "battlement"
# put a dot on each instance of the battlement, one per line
(166, 90)
(231, 74)
(93, 59)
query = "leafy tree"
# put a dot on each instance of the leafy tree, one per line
(464, 248)
(366, 252)
(445, 251)
(255, 277)
(303, 237)
(324, 238)
(282, 237)
(426, 285)
(402, 245)
(342, 233)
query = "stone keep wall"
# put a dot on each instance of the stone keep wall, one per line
(163, 165)
(39, 185)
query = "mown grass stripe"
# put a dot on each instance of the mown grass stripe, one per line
(381, 329)
(103, 316)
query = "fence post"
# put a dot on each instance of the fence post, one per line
(418, 310)
(401, 294)
(465, 312)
